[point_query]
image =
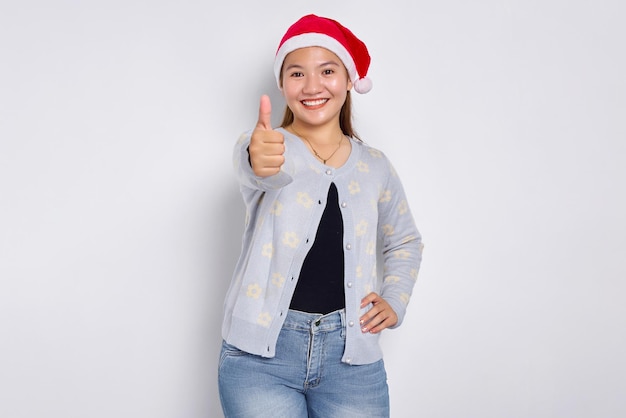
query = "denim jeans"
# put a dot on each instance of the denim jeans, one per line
(306, 378)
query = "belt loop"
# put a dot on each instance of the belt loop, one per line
(342, 315)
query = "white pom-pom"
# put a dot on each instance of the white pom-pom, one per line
(363, 85)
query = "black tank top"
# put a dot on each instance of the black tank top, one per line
(320, 285)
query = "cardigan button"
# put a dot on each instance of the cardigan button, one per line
(348, 246)
(344, 204)
(351, 323)
(329, 171)
(349, 284)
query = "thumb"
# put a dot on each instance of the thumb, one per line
(265, 114)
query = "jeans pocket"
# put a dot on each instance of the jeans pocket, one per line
(229, 350)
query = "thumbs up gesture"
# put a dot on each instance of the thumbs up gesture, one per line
(267, 146)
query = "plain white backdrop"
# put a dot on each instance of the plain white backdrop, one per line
(120, 217)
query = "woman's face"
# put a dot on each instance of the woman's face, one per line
(315, 84)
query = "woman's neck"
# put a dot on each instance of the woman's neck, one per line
(330, 146)
(317, 135)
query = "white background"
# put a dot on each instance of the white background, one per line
(120, 218)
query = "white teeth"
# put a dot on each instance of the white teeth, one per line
(314, 102)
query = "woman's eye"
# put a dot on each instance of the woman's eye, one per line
(296, 74)
(328, 71)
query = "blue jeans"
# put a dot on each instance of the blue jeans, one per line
(306, 378)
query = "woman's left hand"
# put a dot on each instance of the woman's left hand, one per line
(378, 318)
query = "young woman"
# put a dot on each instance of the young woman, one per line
(309, 298)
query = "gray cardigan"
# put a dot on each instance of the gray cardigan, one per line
(282, 216)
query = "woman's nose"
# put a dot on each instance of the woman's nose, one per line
(312, 85)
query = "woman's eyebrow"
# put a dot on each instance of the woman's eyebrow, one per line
(329, 63)
(290, 66)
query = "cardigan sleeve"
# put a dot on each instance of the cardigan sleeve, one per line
(245, 174)
(401, 245)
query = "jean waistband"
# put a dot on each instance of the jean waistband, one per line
(322, 322)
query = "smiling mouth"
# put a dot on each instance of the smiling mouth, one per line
(313, 103)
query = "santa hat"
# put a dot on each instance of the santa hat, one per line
(312, 30)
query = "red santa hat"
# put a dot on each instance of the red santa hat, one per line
(312, 30)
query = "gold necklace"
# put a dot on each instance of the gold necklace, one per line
(313, 149)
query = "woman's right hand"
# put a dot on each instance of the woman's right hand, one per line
(267, 146)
